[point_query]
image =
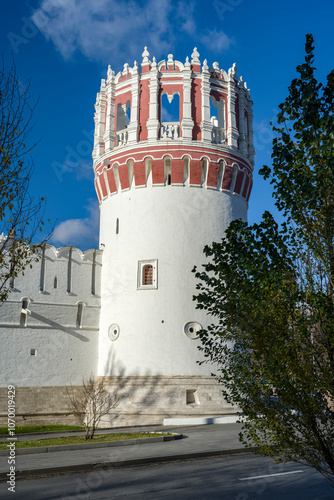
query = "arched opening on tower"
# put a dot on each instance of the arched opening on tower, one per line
(204, 172)
(168, 171)
(148, 171)
(123, 116)
(170, 116)
(122, 122)
(217, 118)
(220, 175)
(116, 176)
(130, 172)
(186, 171)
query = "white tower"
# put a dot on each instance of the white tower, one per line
(166, 189)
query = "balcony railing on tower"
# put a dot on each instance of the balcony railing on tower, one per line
(170, 130)
(218, 135)
(122, 137)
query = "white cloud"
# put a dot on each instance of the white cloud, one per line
(112, 30)
(79, 232)
(103, 28)
(217, 41)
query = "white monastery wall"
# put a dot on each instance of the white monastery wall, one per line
(49, 324)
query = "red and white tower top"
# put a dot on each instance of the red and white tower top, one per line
(132, 143)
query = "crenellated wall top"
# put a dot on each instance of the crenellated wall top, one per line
(61, 275)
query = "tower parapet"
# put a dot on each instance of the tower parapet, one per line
(210, 145)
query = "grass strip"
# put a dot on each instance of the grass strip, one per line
(80, 439)
(22, 429)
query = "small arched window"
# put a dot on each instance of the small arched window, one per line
(147, 274)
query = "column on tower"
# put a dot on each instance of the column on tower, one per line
(187, 121)
(134, 114)
(153, 123)
(206, 125)
(109, 135)
(99, 119)
(243, 126)
(232, 131)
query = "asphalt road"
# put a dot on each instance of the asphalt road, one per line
(238, 477)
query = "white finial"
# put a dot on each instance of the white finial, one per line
(126, 69)
(110, 74)
(205, 65)
(103, 83)
(242, 83)
(195, 56)
(170, 59)
(135, 65)
(215, 65)
(145, 56)
(187, 63)
(233, 71)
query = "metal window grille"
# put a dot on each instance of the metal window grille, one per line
(148, 275)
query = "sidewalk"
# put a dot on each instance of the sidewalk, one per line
(197, 441)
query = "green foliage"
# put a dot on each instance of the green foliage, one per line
(20, 215)
(270, 290)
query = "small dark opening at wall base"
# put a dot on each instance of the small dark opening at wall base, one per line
(117, 226)
(169, 180)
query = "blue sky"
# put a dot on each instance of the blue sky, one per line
(65, 46)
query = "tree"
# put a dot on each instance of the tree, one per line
(270, 290)
(20, 215)
(91, 402)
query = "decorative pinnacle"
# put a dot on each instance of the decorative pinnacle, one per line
(145, 56)
(110, 74)
(232, 72)
(194, 56)
(242, 83)
(215, 66)
(126, 69)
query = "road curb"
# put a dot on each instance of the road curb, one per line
(86, 446)
(68, 469)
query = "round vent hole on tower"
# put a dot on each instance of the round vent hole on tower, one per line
(113, 332)
(191, 329)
